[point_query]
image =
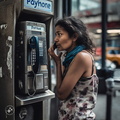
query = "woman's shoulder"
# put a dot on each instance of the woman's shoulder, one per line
(83, 59)
(84, 55)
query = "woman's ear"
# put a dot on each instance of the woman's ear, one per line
(75, 36)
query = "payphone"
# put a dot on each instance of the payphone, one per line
(31, 58)
(25, 74)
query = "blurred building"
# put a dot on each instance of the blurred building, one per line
(90, 11)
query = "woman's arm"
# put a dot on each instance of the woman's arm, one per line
(80, 65)
(59, 67)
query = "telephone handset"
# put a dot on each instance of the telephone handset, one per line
(54, 46)
(33, 53)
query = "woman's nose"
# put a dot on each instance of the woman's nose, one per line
(56, 39)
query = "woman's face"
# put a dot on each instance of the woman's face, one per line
(62, 39)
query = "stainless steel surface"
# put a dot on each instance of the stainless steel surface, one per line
(113, 83)
(25, 100)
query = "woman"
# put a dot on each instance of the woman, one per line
(77, 82)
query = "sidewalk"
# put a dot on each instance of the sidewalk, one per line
(100, 108)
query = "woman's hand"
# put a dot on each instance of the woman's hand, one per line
(56, 58)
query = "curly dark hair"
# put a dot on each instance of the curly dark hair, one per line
(74, 25)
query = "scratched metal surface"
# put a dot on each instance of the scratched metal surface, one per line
(6, 62)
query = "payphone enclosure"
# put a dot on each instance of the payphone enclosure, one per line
(25, 75)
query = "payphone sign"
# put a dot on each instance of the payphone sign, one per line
(38, 5)
(35, 28)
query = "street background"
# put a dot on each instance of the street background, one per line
(100, 108)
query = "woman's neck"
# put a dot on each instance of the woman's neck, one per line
(71, 47)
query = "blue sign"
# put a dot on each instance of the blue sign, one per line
(43, 5)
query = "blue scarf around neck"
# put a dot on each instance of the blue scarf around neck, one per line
(70, 55)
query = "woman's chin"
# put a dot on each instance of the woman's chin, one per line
(60, 49)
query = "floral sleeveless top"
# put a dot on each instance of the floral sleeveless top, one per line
(80, 103)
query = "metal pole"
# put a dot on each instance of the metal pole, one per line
(69, 7)
(104, 28)
(109, 104)
(66, 8)
(78, 5)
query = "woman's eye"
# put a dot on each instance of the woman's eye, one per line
(59, 34)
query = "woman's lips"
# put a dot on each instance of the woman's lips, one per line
(58, 45)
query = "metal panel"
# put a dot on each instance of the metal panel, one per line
(6, 2)
(7, 62)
